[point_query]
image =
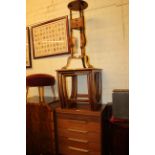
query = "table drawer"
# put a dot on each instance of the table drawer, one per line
(79, 125)
(79, 143)
(90, 136)
(70, 150)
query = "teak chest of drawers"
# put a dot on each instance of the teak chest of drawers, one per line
(79, 131)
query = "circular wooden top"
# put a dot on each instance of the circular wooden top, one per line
(77, 5)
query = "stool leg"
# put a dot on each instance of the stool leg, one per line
(41, 94)
(53, 91)
(27, 89)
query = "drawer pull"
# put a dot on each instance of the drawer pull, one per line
(79, 121)
(75, 130)
(78, 140)
(78, 149)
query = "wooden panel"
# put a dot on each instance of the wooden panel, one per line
(40, 129)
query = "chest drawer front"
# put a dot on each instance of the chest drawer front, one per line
(70, 150)
(83, 126)
(89, 136)
(80, 143)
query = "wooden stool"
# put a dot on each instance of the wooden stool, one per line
(40, 81)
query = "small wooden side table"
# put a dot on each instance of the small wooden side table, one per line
(94, 86)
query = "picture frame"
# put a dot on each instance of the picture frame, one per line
(50, 38)
(28, 49)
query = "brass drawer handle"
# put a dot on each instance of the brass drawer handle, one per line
(78, 149)
(79, 121)
(75, 130)
(78, 140)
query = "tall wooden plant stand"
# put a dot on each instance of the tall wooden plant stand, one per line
(78, 24)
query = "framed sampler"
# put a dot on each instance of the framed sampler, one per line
(28, 49)
(50, 38)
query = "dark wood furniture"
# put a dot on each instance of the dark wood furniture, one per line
(41, 80)
(94, 86)
(119, 123)
(80, 131)
(119, 137)
(116, 130)
(40, 127)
